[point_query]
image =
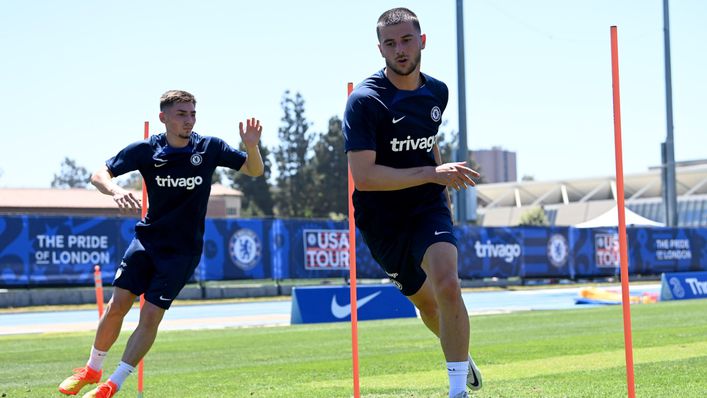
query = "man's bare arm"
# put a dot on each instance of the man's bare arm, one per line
(103, 181)
(369, 176)
(253, 165)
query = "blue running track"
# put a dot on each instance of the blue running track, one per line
(277, 313)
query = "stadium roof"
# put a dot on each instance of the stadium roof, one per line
(691, 181)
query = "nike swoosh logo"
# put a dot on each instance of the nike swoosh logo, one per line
(441, 232)
(397, 120)
(165, 299)
(160, 164)
(474, 383)
(342, 311)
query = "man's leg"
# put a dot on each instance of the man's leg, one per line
(440, 265)
(424, 300)
(443, 311)
(112, 320)
(170, 274)
(138, 345)
(108, 331)
(144, 335)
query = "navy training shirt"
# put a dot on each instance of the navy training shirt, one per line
(401, 127)
(178, 182)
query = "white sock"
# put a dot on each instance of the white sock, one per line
(95, 361)
(457, 372)
(121, 373)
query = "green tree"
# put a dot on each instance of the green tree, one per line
(330, 173)
(71, 175)
(295, 179)
(257, 195)
(132, 180)
(217, 176)
(447, 143)
(534, 216)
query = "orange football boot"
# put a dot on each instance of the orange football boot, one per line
(104, 390)
(81, 377)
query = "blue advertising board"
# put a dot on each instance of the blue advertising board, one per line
(656, 250)
(595, 252)
(546, 253)
(56, 250)
(14, 251)
(235, 249)
(489, 252)
(683, 285)
(319, 304)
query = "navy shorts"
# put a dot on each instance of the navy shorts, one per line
(160, 277)
(400, 253)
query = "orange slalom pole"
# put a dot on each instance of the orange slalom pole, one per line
(623, 243)
(352, 281)
(141, 365)
(98, 282)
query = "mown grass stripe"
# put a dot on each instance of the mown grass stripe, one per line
(542, 367)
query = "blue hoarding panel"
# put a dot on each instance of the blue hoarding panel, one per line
(489, 252)
(683, 285)
(333, 304)
(314, 252)
(319, 249)
(656, 250)
(595, 252)
(546, 253)
(236, 249)
(14, 251)
(64, 250)
(37, 250)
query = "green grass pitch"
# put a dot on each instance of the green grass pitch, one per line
(568, 353)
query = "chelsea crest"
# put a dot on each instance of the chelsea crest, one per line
(557, 250)
(245, 249)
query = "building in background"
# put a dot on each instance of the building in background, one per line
(573, 201)
(496, 164)
(224, 202)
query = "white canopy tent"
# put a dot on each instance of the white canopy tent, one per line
(611, 219)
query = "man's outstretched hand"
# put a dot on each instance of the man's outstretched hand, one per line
(456, 175)
(251, 134)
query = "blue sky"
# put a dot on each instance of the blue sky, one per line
(79, 78)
